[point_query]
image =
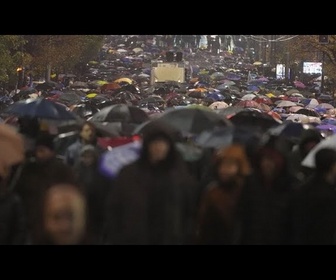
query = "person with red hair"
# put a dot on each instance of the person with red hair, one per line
(219, 220)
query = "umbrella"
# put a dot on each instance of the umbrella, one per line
(91, 95)
(46, 86)
(249, 96)
(308, 112)
(110, 86)
(79, 84)
(264, 100)
(40, 108)
(120, 113)
(324, 106)
(218, 105)
(223, 136)
(114, 160)
(294, 109)
(124, 80)
(84, 110)
(215, 96)
(327, 128)
(257, 63)
(248, 104)
(312, 103)
(329, 142)
(193, 120)
(289, 130)
(254, 119)
(137, 50)
(298, 118)
(11, 148)
(253, 88)
(229, 111)
(299, 84)
(331, 121)
(217, 76)
(286, 103)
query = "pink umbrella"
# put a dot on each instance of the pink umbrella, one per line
(299, 84)
(248, 104)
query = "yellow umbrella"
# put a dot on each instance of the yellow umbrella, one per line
(91, 95)
(270, 95)
(100, 82)
(126, 80)
(257, 63)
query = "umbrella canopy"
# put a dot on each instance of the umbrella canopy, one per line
(327, 128)
(299, 84)
(217, 76)
(298, 118)
(223, 136)
(254, 119)
(248, 104)
(120, 113)
(249, 96)
(286, 103)
(264, 100)
(124, 80)
(230, 111)
(329, 142)
(308, 112)
(215, 96)
(79, 84)
(193, 120)
(40, 108)
(110, 86)
(218, 105)
(46, 86)
(112, 161)
(324, 106)
(84, 110)
(289, 130)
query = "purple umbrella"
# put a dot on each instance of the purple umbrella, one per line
(299, 84)
(327, 127)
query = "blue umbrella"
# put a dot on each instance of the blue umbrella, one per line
(223, 87)
(40, 108)
(113, 161)
(216, 96)
(327, 127)
(252, 88)
(330, 121)
(232, 76)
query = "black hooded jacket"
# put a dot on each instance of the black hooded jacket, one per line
(152, 204)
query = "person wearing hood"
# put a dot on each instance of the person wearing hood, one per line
(308, 140)
(153, 200)
(94, 186)
(313, 209)
(266, 199)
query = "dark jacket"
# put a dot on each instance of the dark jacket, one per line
(152, 205)
(37, 177)
(313, 213)
(12, 220)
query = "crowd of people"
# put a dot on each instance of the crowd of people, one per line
(253, 191)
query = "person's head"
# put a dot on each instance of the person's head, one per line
(158, 145)
(88, 155)
(231, 162)
(64, 215)
(325, 164)
(270, 162)
(88, 132)
(44, 148)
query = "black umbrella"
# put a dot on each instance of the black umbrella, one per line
(193, 120)
(308, 112)
(224, 136)
(254, 119)
(120, 113)
(40, 108)
(46, 86)
(84, 110)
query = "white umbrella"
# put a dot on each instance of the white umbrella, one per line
(218, 105)
(121, 51)
(298, 118)
(249, 96)
(286, 103)
(329, 142)
(137, 50)
(313, 103)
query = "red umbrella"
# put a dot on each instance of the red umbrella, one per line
(248, 104)
(263, 99)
